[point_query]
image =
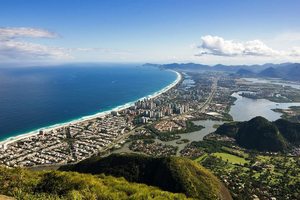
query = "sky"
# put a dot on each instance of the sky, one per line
(156, 31)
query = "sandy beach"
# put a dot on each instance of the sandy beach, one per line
(89, 117)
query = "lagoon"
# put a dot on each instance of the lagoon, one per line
(245, 108)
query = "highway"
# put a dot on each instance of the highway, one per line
(205, 105)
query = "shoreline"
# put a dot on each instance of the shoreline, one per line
(5, 142)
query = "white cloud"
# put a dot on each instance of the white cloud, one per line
(288, 37)
(295, 51)
(258, 48)
(14, 48)
(11, 49)
(285, 41)
(215, 49)
(13, 32)
(214, 45)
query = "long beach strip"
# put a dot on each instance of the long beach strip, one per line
(13, 139)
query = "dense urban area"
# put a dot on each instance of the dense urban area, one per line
(158, 127)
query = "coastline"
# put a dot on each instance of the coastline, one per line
(13, 139)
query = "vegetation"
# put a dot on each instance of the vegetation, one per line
(147, 136)
(166, 136)
(265, 177)
(230, 129)
(230, 158)
(182, 141)
(236, 152)
(289, 130)
(169, 136)
(56, 185)
(293, 116)
(209, 146)
(262, 135)
(250, 174)
(174, 174)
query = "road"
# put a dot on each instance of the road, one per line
(211, 95)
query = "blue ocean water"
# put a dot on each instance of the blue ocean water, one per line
(35, 97)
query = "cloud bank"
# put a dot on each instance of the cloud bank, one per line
(217, 46)
(13, 46)
(12, 32)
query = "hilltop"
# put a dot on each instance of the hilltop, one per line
(260, 134)
(174, 174)
(115, 177)
(26, 184)
(263, 135)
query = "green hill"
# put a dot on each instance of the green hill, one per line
(229, 129)
(174, 174)
(289, 130)
(57, 185)
(261, 134)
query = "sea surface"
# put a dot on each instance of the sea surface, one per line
(36, 97)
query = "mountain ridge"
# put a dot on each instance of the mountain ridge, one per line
(288, 71)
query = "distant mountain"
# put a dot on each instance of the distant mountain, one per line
(263, 135)
(245, 72)
(218, 67)
(291, 72)
(151, 65)
(288, 71)
(270, 72)
(188, 66)
(174, 174)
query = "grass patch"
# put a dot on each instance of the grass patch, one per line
(235, 152)
(230, 158)
(200, 158)
(263, 158)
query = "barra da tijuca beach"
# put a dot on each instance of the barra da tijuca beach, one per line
(161, 99)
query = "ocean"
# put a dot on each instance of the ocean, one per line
(35, 97)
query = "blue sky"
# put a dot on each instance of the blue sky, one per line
(161, 31)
